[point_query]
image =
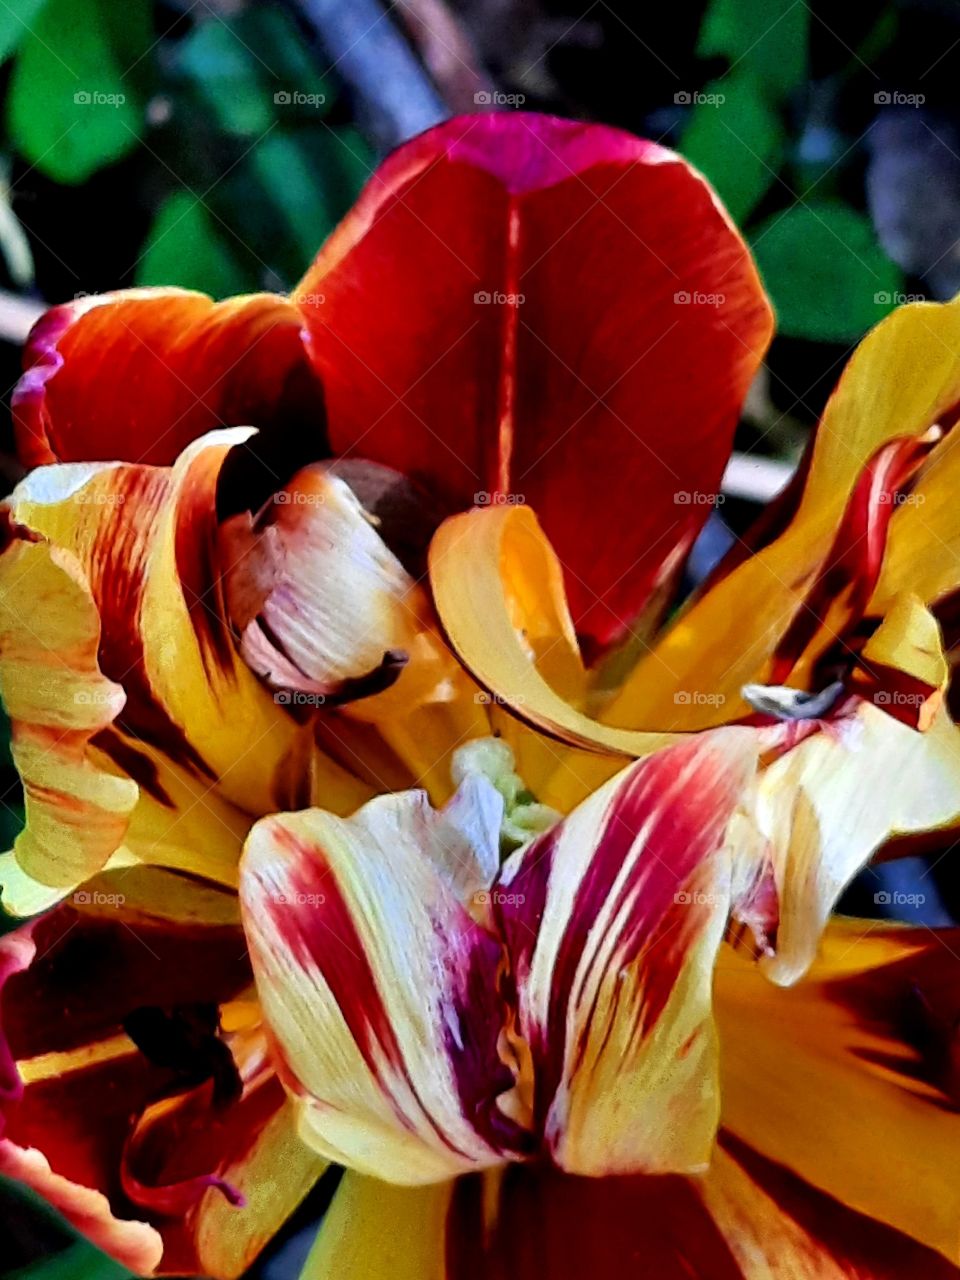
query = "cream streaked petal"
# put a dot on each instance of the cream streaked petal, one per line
(612, 921)
(380, 989)
(828, 804)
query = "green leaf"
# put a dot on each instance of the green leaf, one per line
(187, 247)
(78, 1262)
(224, 74)
(769, 40)
(829, 279)
(16, 19)
(736, 138)
(72, 107)
(252, 71)
(305, 180)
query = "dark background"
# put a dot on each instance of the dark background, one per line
(215, 143)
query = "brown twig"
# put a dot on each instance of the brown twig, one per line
(448, 53)
(395, 97)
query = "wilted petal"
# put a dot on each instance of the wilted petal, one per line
(829, 803)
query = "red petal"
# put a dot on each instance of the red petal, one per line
(135, 376)
(598, 398)
(70, 980)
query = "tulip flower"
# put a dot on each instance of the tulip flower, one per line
(379, 832)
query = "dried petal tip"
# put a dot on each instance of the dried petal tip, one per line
(784, 703)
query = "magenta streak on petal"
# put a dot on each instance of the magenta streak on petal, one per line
(322, 936)
(658, 930)
(479, 1009)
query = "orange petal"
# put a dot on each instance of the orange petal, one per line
(513, 308)
(137, 375)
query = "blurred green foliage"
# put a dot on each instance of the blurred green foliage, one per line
(829, 279)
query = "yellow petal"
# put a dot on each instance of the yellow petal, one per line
(57, 699)
(273, 1175)
(498, 588)
(901, 380)
(847, 1080)
(375, 1231)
